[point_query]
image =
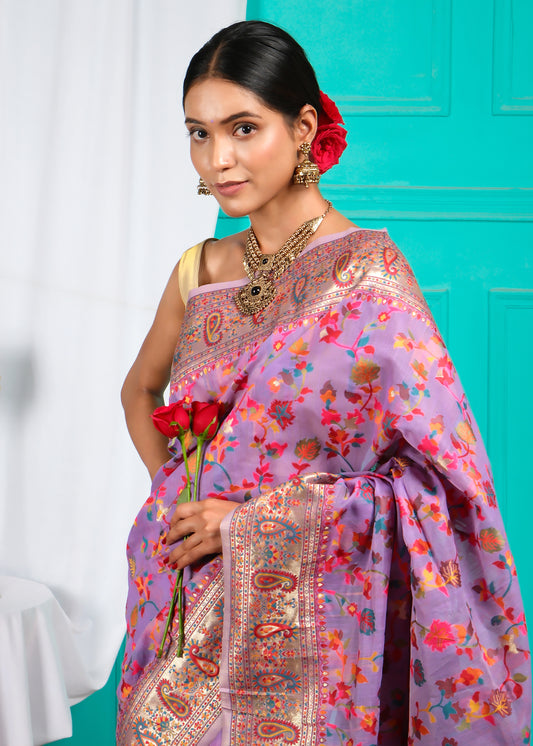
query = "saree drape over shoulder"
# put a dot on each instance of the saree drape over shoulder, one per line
(366, 593)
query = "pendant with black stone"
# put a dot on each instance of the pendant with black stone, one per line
(264, 269)
(255, 296)
(266, 263)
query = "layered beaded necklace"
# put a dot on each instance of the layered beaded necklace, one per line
(263, 269)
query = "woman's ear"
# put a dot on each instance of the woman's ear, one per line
(306, 124)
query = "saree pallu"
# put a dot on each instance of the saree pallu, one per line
(366, 593)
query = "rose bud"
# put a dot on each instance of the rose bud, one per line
(205, 418)
(172, 420)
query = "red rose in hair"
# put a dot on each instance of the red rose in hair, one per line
(205, 418)
(328, 146)
(330, 139)
(330, 115)
(172, 420)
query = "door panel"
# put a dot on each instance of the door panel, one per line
(438, 103)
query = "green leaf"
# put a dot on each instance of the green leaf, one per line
(183, 496)
(519, 678)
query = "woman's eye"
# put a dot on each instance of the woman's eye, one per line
(198, 134)
(245, 129)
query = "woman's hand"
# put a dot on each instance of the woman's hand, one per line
(200, 522)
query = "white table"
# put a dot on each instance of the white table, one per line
(38, 661)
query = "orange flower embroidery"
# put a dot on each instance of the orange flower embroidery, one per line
(364, 371)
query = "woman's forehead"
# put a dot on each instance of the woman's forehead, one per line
(216, 99)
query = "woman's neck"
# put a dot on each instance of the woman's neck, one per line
(277, 220)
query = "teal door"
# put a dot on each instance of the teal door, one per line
(439, 109)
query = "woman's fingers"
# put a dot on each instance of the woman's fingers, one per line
(183, 521)
(184, 510)
(200, 523)
(193, 549)
(181, 528)
(184, 549)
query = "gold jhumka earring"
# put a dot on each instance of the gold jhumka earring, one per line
(306, 172)
(202, 188)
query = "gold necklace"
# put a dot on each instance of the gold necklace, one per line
(263, 269)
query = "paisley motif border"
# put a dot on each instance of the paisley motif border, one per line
(363, 262)
(272, 681)
(177, 700)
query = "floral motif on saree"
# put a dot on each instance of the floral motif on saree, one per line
(366, 593)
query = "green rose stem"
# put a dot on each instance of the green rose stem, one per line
(180, 602)
(177, 596)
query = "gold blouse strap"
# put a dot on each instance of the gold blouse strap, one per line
(189, 268)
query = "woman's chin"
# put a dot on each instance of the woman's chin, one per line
(233, 210)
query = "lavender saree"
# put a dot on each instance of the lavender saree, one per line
(366, 593)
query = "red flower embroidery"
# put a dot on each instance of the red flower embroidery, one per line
(281, 411)
(440, 635)
(419, 729)
(369, 723)
(352, 609)
(428, 445)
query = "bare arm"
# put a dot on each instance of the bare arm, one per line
(149, 375)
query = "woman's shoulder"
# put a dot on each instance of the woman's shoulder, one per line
(188, 267)
(379, 264)
(221, 260)
(211, 260)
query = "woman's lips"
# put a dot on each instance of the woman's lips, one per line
(229, 188)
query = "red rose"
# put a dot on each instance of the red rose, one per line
(330, 114)
(205, 418)
(173, 420)
(328, 146)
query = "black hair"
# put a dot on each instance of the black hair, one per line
(263, 59)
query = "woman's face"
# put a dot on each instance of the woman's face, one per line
(244, 151)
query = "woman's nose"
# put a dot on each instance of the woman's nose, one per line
(222, 155)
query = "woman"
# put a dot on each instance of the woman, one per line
(346, 573)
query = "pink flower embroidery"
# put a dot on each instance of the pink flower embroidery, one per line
(440, 635)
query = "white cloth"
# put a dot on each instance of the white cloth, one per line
(39, 663)
(97, 202)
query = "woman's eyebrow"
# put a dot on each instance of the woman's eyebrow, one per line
(227, 120)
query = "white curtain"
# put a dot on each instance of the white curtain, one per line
(97, 202)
